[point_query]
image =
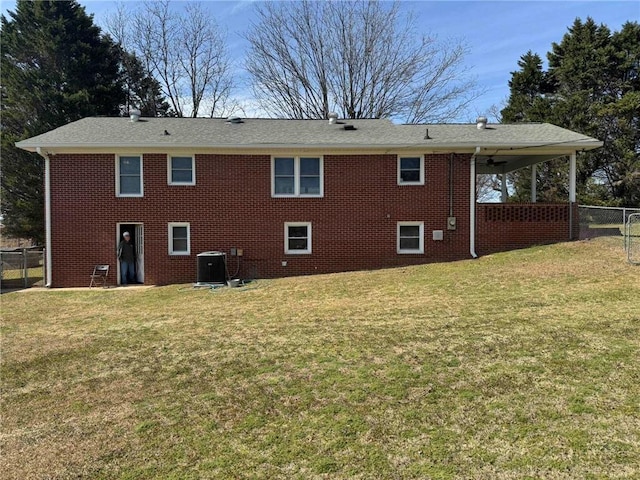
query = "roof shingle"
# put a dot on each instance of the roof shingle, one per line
(101, 132)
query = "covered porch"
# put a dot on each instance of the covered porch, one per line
(502, 225)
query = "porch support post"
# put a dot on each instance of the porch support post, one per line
(472, 205)
(504, 196)
(572, 178)
(572, 191)
(534, 194)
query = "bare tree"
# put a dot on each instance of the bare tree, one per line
(488, 187)
(204, 59)
(118, 25)
(360, 58)
(184, 50)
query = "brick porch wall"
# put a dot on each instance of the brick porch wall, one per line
(502, 227)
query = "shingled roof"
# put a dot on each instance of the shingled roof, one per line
(118, 132)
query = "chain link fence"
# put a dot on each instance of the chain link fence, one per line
(603, 221)
(21, 267)
(632, 238)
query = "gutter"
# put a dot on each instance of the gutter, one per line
(47, 215)
(472, 205)
(557, 148)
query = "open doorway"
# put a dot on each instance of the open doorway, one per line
(136, 231)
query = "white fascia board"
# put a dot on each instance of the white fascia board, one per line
(236, 149)
(550, 148)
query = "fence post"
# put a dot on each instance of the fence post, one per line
(571, 204)
(25, 265)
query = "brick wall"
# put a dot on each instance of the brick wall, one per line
(502, 227)
(354, 224)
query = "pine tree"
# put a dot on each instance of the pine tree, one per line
(530, 101)
(620, 117)
(56, 68)
(592, 86)
(528, 86)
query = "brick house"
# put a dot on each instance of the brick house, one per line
(294, 197)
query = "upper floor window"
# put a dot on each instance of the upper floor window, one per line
(297, 177)
(411, 170)
(181, 170)
(129, 176)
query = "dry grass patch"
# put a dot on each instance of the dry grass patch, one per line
(516, 365)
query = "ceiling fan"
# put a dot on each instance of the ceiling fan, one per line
(491, 162)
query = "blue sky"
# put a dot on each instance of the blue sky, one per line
(497, 32)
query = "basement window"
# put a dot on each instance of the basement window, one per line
(181, 170)
(179, 238)
(297, 177)
(411, 170)
(411, 237)
(297, 238)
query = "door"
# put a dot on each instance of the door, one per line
(136, 231)
(139, 245)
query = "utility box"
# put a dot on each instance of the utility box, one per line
(451, 223)
(212, 268)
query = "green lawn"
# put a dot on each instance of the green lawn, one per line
(522, 365)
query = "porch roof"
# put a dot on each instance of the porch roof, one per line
(117, 133)
(501, 163)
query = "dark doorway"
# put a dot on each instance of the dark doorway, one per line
(136, 231)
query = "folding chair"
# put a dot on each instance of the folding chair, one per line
(99, 274)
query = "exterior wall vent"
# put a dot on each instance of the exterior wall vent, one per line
(481, 123)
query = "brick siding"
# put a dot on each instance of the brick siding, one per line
(502, 227)
(354, 225)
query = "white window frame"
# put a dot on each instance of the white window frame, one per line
(420, 250)
(118, 193)
(296, 177)
(421, 181)
(306, 251)
(170, 169)
(170, 237)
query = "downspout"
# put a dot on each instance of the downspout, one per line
(450, 185)
(47, 215)
(472, 206)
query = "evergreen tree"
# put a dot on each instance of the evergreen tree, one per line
(592, 86)
(528, 87)
(529, 102)
(619, 116)
(579, 67)
(56, 68)
(142, 90)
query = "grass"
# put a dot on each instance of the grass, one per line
(521, 365)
